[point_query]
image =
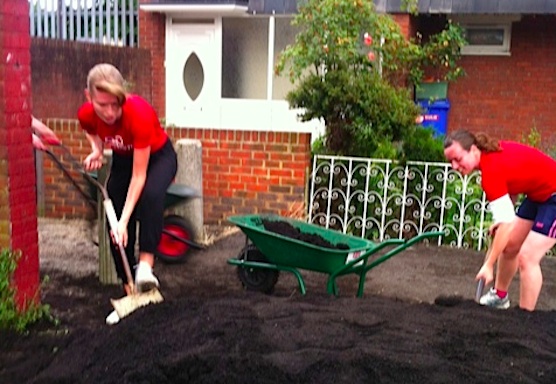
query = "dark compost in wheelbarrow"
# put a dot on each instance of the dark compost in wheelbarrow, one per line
(286, 229)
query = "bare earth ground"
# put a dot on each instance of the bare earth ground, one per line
(209, 330)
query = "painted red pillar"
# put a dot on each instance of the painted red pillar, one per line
(18, 207)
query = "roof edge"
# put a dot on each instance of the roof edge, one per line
(195, 9)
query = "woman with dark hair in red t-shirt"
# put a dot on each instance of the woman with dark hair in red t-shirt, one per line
(520, 239)
(144, 164)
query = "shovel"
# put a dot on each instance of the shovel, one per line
(135, 300)
(481, 282)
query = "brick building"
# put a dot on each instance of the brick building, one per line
(238, 106)
(509, 83)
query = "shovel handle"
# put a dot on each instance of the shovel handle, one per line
(112, 218)
(113, 223)
(480, 288)
(481, 282)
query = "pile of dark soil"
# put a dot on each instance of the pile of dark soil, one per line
(209, 330)
(252, 338)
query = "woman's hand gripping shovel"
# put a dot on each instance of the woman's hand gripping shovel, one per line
(481, 282)
(135, 299)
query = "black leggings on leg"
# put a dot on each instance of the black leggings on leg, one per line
(150, 207)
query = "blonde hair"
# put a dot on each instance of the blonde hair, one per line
(107, 78)
(466, 139)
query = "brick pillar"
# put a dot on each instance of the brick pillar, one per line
(18, 207)
(152, 36)
(407, 24)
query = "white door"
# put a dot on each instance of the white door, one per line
(193, 73)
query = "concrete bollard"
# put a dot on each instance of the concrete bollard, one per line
(106, 269)
(190, 173)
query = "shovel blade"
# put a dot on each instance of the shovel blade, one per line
(129, 304)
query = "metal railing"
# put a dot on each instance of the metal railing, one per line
(380, 199)
(109, 22)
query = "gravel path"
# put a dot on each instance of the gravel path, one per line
(61, 242)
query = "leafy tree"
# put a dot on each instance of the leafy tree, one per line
(354, 69)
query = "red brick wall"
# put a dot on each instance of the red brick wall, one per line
(243, 172)
(506, 96)
(251, 172)
(18, 213)
(59, 73)
(61, 198)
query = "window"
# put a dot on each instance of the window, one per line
(244, 58)
(220, 74)
(487, 34)
(487, 39)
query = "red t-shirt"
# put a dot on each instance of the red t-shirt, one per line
(518, 169)
(138, 127)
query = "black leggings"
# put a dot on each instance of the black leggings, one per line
(149, 210)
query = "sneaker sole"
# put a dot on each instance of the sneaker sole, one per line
(146, 286)
(503, 306)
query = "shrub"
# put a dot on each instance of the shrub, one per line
(354, 69)
(11, 317)
(421, 145)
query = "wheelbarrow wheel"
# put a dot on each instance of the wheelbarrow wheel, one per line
(170, 249)
(256, 279)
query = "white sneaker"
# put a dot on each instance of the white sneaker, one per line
(491, 299)
(144, 278)
(112, 318)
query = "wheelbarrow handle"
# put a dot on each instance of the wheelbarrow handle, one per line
(77, 164)
(401, 243)
(406, 244)
(362, 270)
(69, 176)
(185, 241)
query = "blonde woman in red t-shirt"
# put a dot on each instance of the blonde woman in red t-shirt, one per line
(144, 164)
(520, 239)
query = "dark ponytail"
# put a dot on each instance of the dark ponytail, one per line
(466, 139)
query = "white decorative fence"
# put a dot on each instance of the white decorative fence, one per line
(110, 22)
(381, 199)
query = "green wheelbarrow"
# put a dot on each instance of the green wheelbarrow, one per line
(266, 253)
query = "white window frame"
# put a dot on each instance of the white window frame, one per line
(503, 49)
(488, 22)
(248, 114)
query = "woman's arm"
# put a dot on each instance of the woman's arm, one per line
(501, 238)
(41, 131)
(504, 217)
(94, 160)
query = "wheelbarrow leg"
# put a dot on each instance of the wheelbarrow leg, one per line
(403, 246)
(361, 288)
(297, 274)
(258, 264)
(332, 287)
